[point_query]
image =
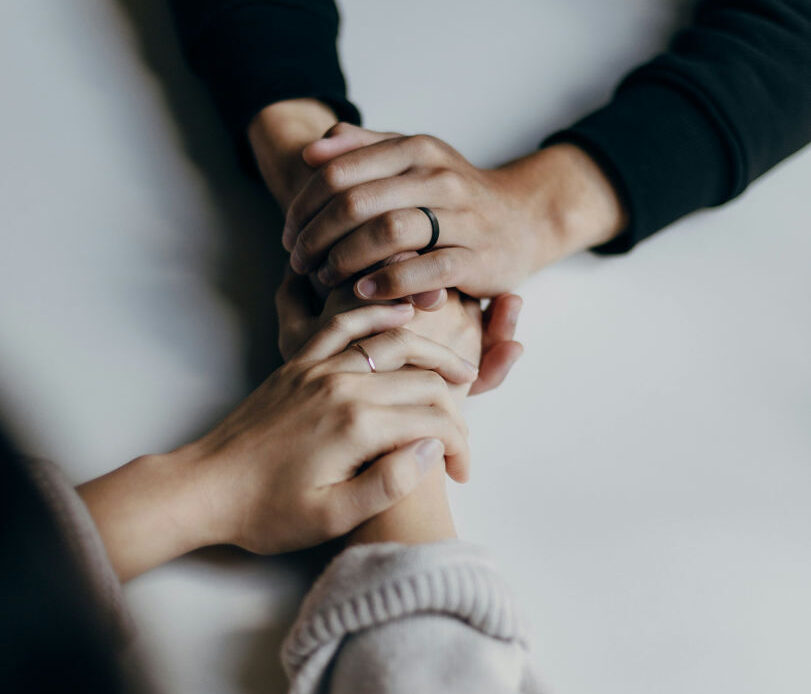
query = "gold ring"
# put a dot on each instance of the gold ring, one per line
(366, 356)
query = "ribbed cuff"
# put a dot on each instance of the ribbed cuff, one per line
(662, 150)
(369, 585)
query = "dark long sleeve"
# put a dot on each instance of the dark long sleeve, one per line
(693, 127)
(252, 53)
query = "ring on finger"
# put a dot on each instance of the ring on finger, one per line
(366, 356)
(434, 228)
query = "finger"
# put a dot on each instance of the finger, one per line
(340, 139)
(344, 328)
(378, 160)
(430, 301)
(388, 480)
(381, 160)
(398, 347)
(495, 365)
(388, 234)
(393, 349)
(388, 427)
(405, 387)
(444, 267)
(351, 208)
(425, 301)
(501, 318)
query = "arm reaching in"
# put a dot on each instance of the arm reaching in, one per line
(692, 128)
(287, 469)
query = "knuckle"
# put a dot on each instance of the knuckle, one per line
(306, 242)
(354, 420)
(444, 268)
(389, 228)
(424, 145)
(353, 203)
(334, 324)
(341, 260)
(334, 386)
(340, 128)
(301, 376)
(400, 337)
(449, 182)
(393, 280)
(436, 382)
(333, 175)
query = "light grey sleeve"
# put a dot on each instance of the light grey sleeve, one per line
(85, 544)
(390, 619)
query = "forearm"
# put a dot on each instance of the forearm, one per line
(277, 135)
(148, 512)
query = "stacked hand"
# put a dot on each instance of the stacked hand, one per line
(360, 207)
(287, 469)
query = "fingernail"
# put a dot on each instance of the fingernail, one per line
(470, 365)
(403, 308)
(366, 287)
(327, 275)
(512, 317)
(427, 453)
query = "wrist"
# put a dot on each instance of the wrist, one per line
(422, 517)
(277, 135)
(148, 512)
(571, 202)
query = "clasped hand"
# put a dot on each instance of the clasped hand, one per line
(360, 207)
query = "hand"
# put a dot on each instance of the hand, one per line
(286, 469)
(497, 225)
(496, 351)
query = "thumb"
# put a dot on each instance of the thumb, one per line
(391, 478)
(340, 139)
(495, 364)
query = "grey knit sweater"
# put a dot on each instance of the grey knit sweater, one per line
(382, 619)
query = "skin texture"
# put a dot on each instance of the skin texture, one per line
(424, 515)
(259, 482)
(497, 225)
(279, 136)
(287, 468)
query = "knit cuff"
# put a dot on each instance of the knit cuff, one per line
(663, 152)
(369, 585)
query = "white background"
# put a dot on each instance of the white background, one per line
(643, 478)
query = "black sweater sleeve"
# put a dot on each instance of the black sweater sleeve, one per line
(252, 53)
(693, 127)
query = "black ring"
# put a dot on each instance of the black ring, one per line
(434, 228)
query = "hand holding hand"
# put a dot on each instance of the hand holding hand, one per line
(495, 349)
(497, 225)
(286, 469)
